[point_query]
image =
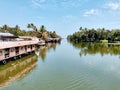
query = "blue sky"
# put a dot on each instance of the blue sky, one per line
(62, 16)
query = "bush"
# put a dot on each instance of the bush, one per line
(104, 41)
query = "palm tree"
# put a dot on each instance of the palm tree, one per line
(80, 28)
(31, 25)
(42, 29)
(5, 28)
(54, 34)
(38, 33)
(17, 28)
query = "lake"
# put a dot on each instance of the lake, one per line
(67, 66)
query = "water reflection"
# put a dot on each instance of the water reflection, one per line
(42, 50)
(16, 69)
(94, 48)
(64, 69)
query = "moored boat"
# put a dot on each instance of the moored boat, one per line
(14, 49)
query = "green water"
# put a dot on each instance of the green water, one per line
(73, 66)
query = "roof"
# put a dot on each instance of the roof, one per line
(11, 44)
(27, 37)
(7, 35)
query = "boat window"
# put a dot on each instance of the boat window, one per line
(28, 46)
(22, 48)
(0, 53)
(7, 51)
(12, 49)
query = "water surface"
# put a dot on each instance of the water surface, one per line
(73, 66)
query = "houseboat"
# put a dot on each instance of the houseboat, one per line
(53, 40)
(40, 41)
(12, 48)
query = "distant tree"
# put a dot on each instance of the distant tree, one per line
(42, 29)
(5, 27)
(54, 34)
(40, 33)
(80, 28)
(31, 25)
(91, 35)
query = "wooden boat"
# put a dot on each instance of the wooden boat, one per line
(14, 49)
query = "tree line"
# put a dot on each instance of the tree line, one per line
(94, 35)
(38, 32)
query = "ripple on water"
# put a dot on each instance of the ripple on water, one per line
(83, 80)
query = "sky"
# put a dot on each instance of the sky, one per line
(63, 16)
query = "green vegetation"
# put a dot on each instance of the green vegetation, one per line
(104, 41)
(40, 33)
(95, 48)
(92, 35)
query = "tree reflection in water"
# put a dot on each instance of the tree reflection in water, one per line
(16, 69)
(94, 48)
(42, 50)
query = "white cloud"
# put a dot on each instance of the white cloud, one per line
(113, 5)
(38, 3)
(57, 3)
(70, 3)
(91, 12)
